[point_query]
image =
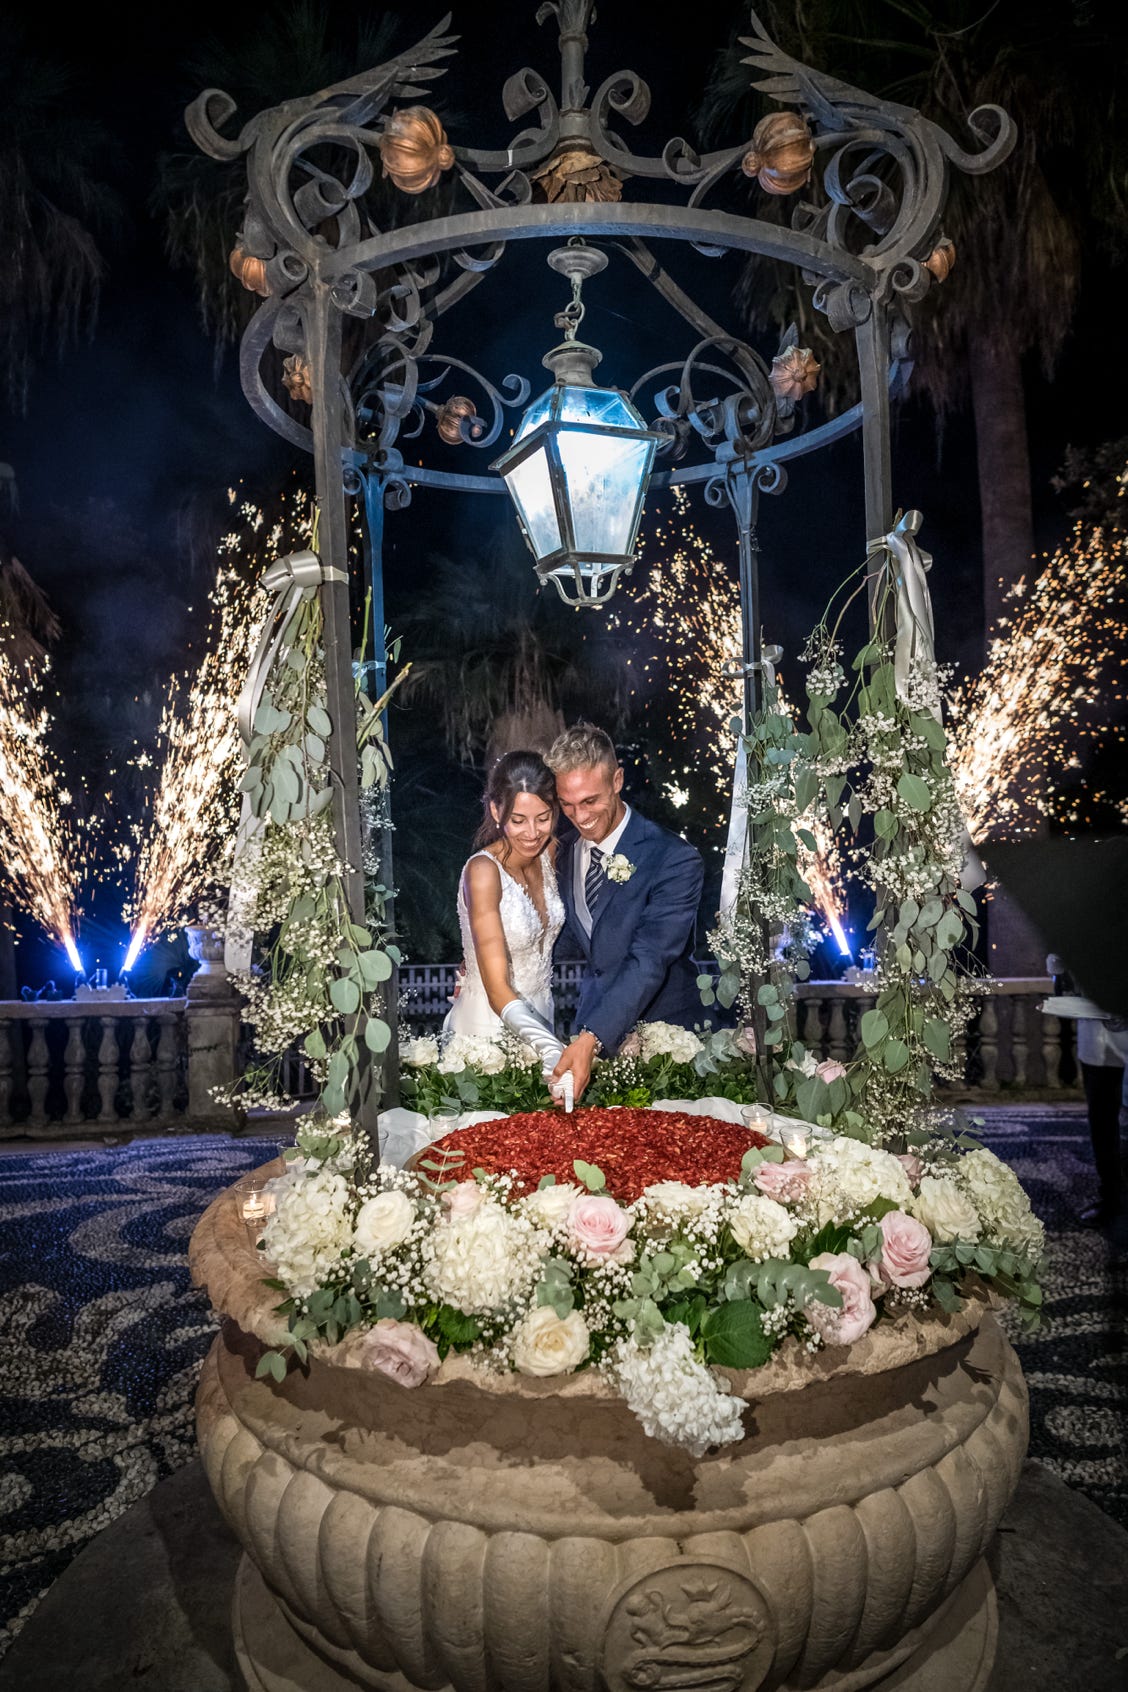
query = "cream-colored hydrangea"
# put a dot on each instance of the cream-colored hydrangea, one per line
(675, 1201)
(675, 1397)
(666, 1039)
(945, 1209)
(761, 1227)
(483, 1261)
(310, 1227)
(1004, 1209)
(848, 1175)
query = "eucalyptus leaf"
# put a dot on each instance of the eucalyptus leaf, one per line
(319, 721)
(916, 793)
(344, 994)
(377, 1035)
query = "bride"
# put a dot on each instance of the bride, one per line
(510, 911)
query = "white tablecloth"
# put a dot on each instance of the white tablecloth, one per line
(404, 1132)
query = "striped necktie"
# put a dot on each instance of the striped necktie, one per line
(594, 880)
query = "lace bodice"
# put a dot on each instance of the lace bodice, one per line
(528, 943)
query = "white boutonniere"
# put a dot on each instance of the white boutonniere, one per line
(619, 867)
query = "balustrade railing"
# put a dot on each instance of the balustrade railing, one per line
(84, 1069)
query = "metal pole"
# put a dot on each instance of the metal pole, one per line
(744, 498)
(872, 342)
(323, 339)
(376, 682)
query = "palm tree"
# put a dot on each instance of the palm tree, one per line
(53, 208)
(501, 664)
(201, 199)
(1020, 233)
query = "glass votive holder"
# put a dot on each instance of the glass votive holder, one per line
(256, 1206)
(794, 1141)
(757, 1117)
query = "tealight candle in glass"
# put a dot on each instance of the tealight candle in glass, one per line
(794, 1141)
(757, 1117)
(256, 1205)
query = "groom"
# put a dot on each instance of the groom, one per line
(630, 891)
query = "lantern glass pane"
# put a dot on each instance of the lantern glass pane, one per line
(598, 405)
(536, 414)
(606, 475)
(530, 488)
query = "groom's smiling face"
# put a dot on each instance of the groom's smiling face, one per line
(590, 799)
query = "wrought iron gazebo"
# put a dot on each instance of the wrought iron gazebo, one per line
(870, 179)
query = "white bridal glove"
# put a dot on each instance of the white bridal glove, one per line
(528, 1025)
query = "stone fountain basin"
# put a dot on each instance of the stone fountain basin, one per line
(488, 1532)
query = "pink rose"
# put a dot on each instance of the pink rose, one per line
(785, 1182)
(844, 1326)
(746, 1040)
(829, 1071)
(462, 1199)
(631, 1046)
(912, 1166)
(400, 1350)
(906, 1246)
(597, 1224)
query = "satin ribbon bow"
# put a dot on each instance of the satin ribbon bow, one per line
(287, 579)
(907, 564)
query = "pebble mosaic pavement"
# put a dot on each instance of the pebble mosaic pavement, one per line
(103, 1334)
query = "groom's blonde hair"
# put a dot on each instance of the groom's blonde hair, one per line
(581, 748)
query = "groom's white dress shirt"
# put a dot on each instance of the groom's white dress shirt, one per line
(581, 862)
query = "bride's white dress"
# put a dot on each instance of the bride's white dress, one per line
(529, 944)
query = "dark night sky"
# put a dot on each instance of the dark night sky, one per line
(119, 438)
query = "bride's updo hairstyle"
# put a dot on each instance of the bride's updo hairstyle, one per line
(516, 772)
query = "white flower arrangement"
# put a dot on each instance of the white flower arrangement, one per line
(394, 1268)
(618, 868)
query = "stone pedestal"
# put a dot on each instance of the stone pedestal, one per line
(214, 1012)
(495, 1534)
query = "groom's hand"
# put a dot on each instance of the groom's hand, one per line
(577, 1058)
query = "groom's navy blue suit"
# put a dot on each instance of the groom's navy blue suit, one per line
(639, 955)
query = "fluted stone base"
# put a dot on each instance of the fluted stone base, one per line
(497, 1534)
(954, 1654)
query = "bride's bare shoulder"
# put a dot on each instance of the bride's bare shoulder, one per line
(481, 878)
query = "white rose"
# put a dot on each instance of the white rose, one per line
(418, 1054)
(945, 1210)
(675, 1199)
(547, 1344)
(383, 1222)
(548, 1207)
(761, 1227)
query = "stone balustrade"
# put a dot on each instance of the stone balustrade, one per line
(90, 1068)
(1010, 1042)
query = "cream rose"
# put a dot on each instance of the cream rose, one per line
(383, 1222)
(399, 1350)
(462, 1199)
(785, 1182)
(906, 1245)
(677, 1198)
(843, 1326)
(547, 1344)
(417, 1054)
(597, 1225)
(945, 1210)
(548, 1207)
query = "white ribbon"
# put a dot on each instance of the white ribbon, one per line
(288, 579)
(916, 628)
(736, 848)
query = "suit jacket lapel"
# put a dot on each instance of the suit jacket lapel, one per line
(633, 836)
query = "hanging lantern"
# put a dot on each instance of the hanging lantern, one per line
(580, 461)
